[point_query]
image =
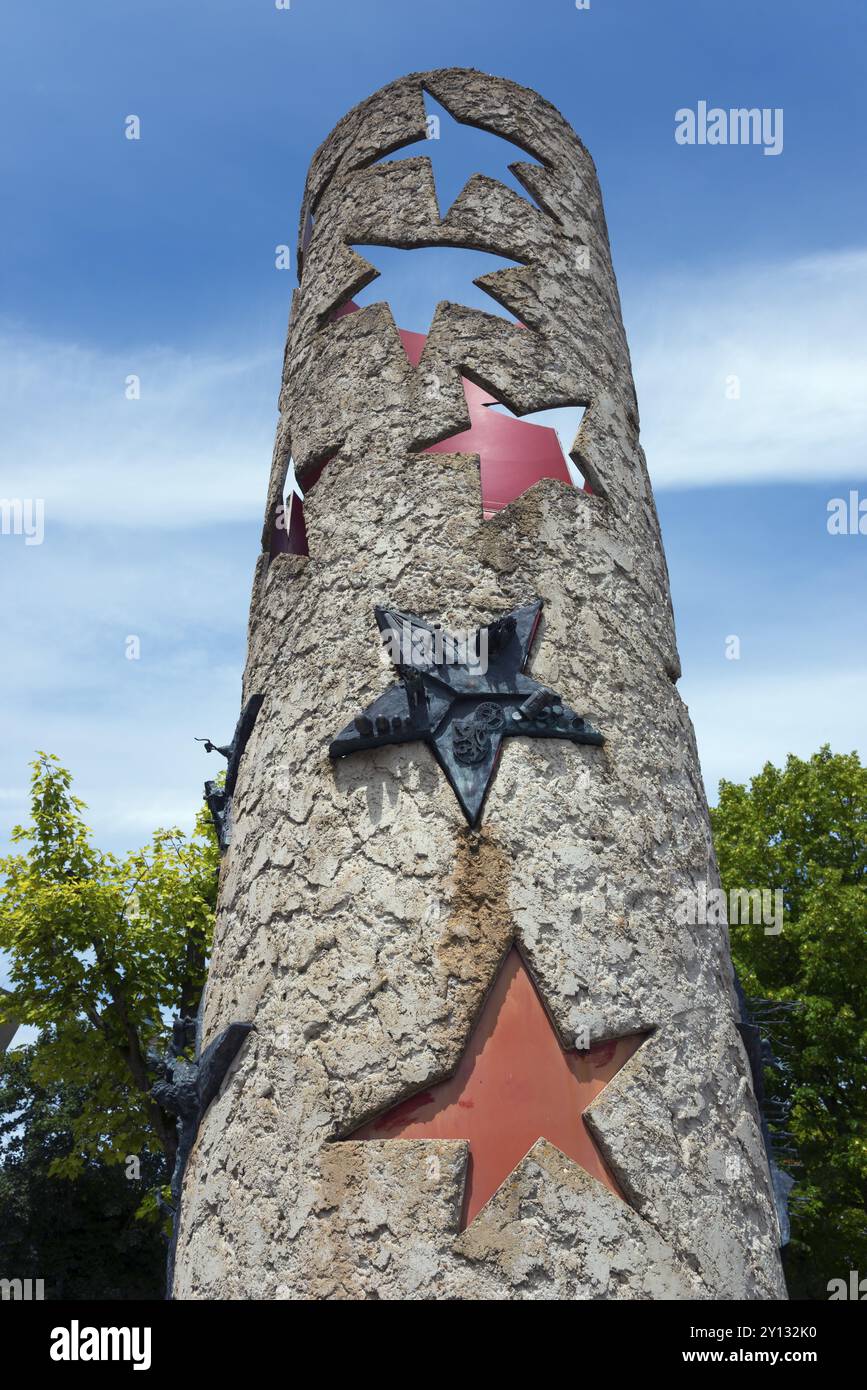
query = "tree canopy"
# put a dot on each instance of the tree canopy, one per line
(102, 950)
(79, 1235)
(802, 829)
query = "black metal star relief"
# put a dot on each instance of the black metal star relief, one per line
(462, 696)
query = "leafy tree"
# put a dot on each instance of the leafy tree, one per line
(803, 829)
(102, 950)
(81, 1235)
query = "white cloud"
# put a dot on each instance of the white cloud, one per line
(193, 449)
(126, 729)
(792, 333)
(742, 722)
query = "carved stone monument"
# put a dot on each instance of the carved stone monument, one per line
(489, 1062)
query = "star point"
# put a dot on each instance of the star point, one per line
(467, 147)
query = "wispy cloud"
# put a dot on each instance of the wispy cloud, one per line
(743, 722)
(126, 728)
(791, 334)
(194, 448)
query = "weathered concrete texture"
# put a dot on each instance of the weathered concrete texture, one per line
(360, 921)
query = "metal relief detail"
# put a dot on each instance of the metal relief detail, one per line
(463, 697)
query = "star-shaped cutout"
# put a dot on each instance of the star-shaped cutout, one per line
(414, 280)
(513, 453)
(457, 151)
(462, 695)
(289, 531)
(514, 1085)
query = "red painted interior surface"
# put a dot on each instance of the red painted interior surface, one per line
(513, 454)
(514, 1085)
(291, 537)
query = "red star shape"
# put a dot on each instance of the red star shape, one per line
(513, 455)
(514, 1085)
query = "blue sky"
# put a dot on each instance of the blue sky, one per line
(156, 258)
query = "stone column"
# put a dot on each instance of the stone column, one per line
(362, 921)
(7, 1033)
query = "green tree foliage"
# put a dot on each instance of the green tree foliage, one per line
(81, 1236)
(803, 829)
(102, 952)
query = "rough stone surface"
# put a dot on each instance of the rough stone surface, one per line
(360, 920)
